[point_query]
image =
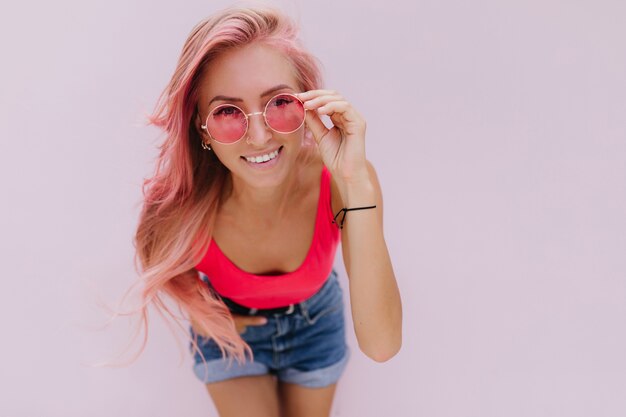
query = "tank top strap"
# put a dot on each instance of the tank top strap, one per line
(326, 196)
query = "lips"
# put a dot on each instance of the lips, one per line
(264, 157)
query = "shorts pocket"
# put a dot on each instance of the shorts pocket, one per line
(262, 332)
(312, 319)
(331, 303)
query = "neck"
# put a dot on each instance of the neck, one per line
(261, 201)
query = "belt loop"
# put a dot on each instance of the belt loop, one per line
(303, 308)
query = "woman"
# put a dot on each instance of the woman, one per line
(238, 225)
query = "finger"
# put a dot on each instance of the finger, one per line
(250, 320)
(341, 112)
(344, 117)
(315, 125)
(307, 95)
(242, 322)
(257, 321)
(321, 100)
(342, 107)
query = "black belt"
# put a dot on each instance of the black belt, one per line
(247, 311)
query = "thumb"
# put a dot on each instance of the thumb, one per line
(315, 125)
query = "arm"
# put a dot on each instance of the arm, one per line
(374, 295)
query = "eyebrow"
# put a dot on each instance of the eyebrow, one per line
(263, 94)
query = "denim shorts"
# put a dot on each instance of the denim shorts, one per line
(305, 347)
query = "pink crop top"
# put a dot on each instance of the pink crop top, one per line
(270, 291)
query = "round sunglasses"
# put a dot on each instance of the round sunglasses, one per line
(228, 124)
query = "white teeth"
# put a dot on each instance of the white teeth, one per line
(263, 158)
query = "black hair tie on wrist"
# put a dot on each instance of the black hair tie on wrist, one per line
(344, 211)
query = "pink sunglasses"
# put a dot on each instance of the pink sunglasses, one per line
(228, 124)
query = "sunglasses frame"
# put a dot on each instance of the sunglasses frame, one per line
(247, 115)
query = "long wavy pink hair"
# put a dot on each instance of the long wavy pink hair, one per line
(182, 198)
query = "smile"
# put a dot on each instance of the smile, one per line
(263, 158)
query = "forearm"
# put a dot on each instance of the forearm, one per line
(374, 295)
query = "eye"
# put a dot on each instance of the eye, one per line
(226, 111)
(281, 101)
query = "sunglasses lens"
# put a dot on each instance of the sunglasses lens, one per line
(226, 124)
(284, 113)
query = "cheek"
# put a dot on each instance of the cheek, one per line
(303, 139)
(294, 142)
(225, 155)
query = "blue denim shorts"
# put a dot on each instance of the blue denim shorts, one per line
(305, 347)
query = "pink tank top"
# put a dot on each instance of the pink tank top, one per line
(270, 291)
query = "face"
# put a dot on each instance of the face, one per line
(248, 78)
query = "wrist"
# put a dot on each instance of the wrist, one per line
(357, 194)
(340, 217)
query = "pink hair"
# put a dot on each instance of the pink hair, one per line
(182, 198)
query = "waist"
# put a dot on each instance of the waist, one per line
(247, 311)
(266, 292)
(288, 309)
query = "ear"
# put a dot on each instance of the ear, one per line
(197, 121)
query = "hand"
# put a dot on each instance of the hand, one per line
(343, 145)
(241, 322)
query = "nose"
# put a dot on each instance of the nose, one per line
(258, 131)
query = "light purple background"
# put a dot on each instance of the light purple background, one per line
(498, 132)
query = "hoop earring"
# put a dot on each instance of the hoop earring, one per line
(205, 146)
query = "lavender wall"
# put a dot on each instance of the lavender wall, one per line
(498, 132)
